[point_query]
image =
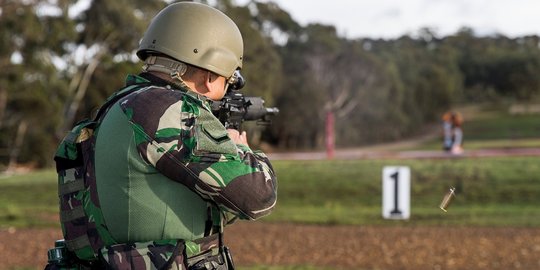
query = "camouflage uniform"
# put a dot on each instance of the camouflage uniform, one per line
(167, 178)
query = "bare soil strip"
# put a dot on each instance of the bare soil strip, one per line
(340, 247)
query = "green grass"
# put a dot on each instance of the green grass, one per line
(492, 128)
(502, 130)
(490, 192)
(29, 200)
(501, 125)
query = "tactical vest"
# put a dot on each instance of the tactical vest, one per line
(80, 215)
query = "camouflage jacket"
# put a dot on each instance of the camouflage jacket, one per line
(176, 144)
(173, 127)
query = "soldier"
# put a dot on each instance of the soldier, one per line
(168, 175)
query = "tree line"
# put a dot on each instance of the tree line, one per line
(59, 62)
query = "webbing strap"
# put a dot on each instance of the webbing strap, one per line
(115, 97)
(71, 187)
(210, 240)
(164, 65)
(78, 243)
(72, 214)
(201, 245)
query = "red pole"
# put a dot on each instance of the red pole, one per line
(330, 135)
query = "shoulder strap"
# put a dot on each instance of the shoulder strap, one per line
(115, 97)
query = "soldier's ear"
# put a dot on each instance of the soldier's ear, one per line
(208, 79)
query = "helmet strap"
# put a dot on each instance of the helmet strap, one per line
(168, 66)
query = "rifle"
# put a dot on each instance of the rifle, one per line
(236, 108)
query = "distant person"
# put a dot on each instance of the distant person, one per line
(457, 131)
(453, 132)
(447, 131)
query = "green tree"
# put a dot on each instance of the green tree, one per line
(331, 76)
(107, 31)
(429, 74)
(31, 37)
(262, 65)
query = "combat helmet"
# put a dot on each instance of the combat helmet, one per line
(196, 34)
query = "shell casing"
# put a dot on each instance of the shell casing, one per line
(447, 199)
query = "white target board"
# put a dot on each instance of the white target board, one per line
(396, 184)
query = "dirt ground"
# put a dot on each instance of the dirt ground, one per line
(339, 247)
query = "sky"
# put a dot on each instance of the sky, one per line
(393, 18)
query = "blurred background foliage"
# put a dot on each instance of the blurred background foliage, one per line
(60, 59)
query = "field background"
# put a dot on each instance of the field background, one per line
(329, 212)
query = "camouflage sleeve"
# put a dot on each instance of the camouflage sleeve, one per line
(175, 131)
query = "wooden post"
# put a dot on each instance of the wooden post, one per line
(330, 138)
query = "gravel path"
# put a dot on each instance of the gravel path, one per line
(368, 153)
(341, 247)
